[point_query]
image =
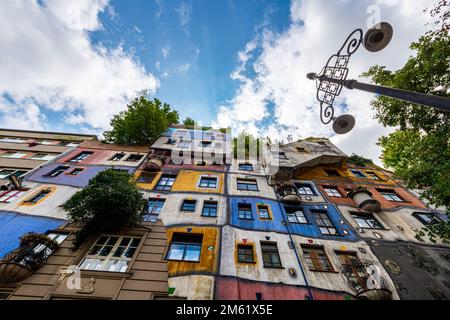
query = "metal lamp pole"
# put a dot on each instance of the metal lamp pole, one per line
(333, 78)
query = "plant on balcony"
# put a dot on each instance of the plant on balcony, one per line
(110, 202)
(32, 239)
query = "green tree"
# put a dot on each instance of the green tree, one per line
(142, 123)
(189, 122)
(419, 150)
(108, 203)
(245, 144)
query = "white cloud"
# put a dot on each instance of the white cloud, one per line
(184, 11)
(274, 96)
(47, 61)
(165, 51)
(184, 68)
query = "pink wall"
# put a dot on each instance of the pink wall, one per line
(236, 289)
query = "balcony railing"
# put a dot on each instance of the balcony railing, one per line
(288, 193)
(367, 281)
(31, 255)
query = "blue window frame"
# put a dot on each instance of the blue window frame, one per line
(247, 184)
(209, 209)
(245, 211)
(188, 205)
(185, 247)
(245, 166)
(57, 171)
(208, 182)
(305, 189)
(154, 208)
(165, 183)
(358, 173)
(81, 156)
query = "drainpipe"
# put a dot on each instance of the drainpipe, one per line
(292, 239)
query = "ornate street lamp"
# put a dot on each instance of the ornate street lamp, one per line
(333, 78)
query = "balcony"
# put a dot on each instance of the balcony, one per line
(288, 194)
(364, 200)
(365, 279)
(32, 254)
(155, 163)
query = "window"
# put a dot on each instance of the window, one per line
(207, 182)
(245, 211)
(427, 218)
(76, 171)
(43, 156)
(154, 208)
(14, 155)
(184, 144)
(117, 157)
(390, 195)
(171, 141)
(13, 140)
(201, 163)
(165, 183)
(185, 247)
(134, 157)
(57, 171)
(332, 192)
(205, 144)
(302, 150)
(305, 189)
(373, 175)
(6, 173)
(281, 156)
(332, 172)
(316, 259)
(245, 166)
(245, 253)
(82, 156)
(263, 211)
(357, 173)
(247, 184)
(209, 209)
(46, 142)
(323, 144)
(73, 144)
(38, 196)
(323, 221)
(111, 253)
(366, 221)
(10, 195)
(271, 257)
(188, 205)
(295, 215)
(146, 177)
(356, 271)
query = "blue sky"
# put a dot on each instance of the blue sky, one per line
(71, 65)
(200, 55)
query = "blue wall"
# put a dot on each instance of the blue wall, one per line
(14, 225)
(275, 225)
(81, 180)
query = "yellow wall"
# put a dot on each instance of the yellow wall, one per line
(208, 255)
(147, 186)
(318, 173)
(189, 180)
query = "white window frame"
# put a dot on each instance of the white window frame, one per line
(101, 262)
(13, 155)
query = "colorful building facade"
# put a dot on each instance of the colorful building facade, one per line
(312, 225)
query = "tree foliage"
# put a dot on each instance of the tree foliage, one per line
(189, 122)
(419, 151)
(142, 123)
(359, 160)
(246, 145)
(108, 203)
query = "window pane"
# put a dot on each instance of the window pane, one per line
(192, 253)
(176, 252)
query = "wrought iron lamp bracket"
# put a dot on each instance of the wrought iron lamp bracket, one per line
(336, 68)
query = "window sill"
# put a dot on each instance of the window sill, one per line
(105, 274)
(272, 267)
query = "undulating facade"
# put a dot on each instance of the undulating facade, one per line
(310, 225)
